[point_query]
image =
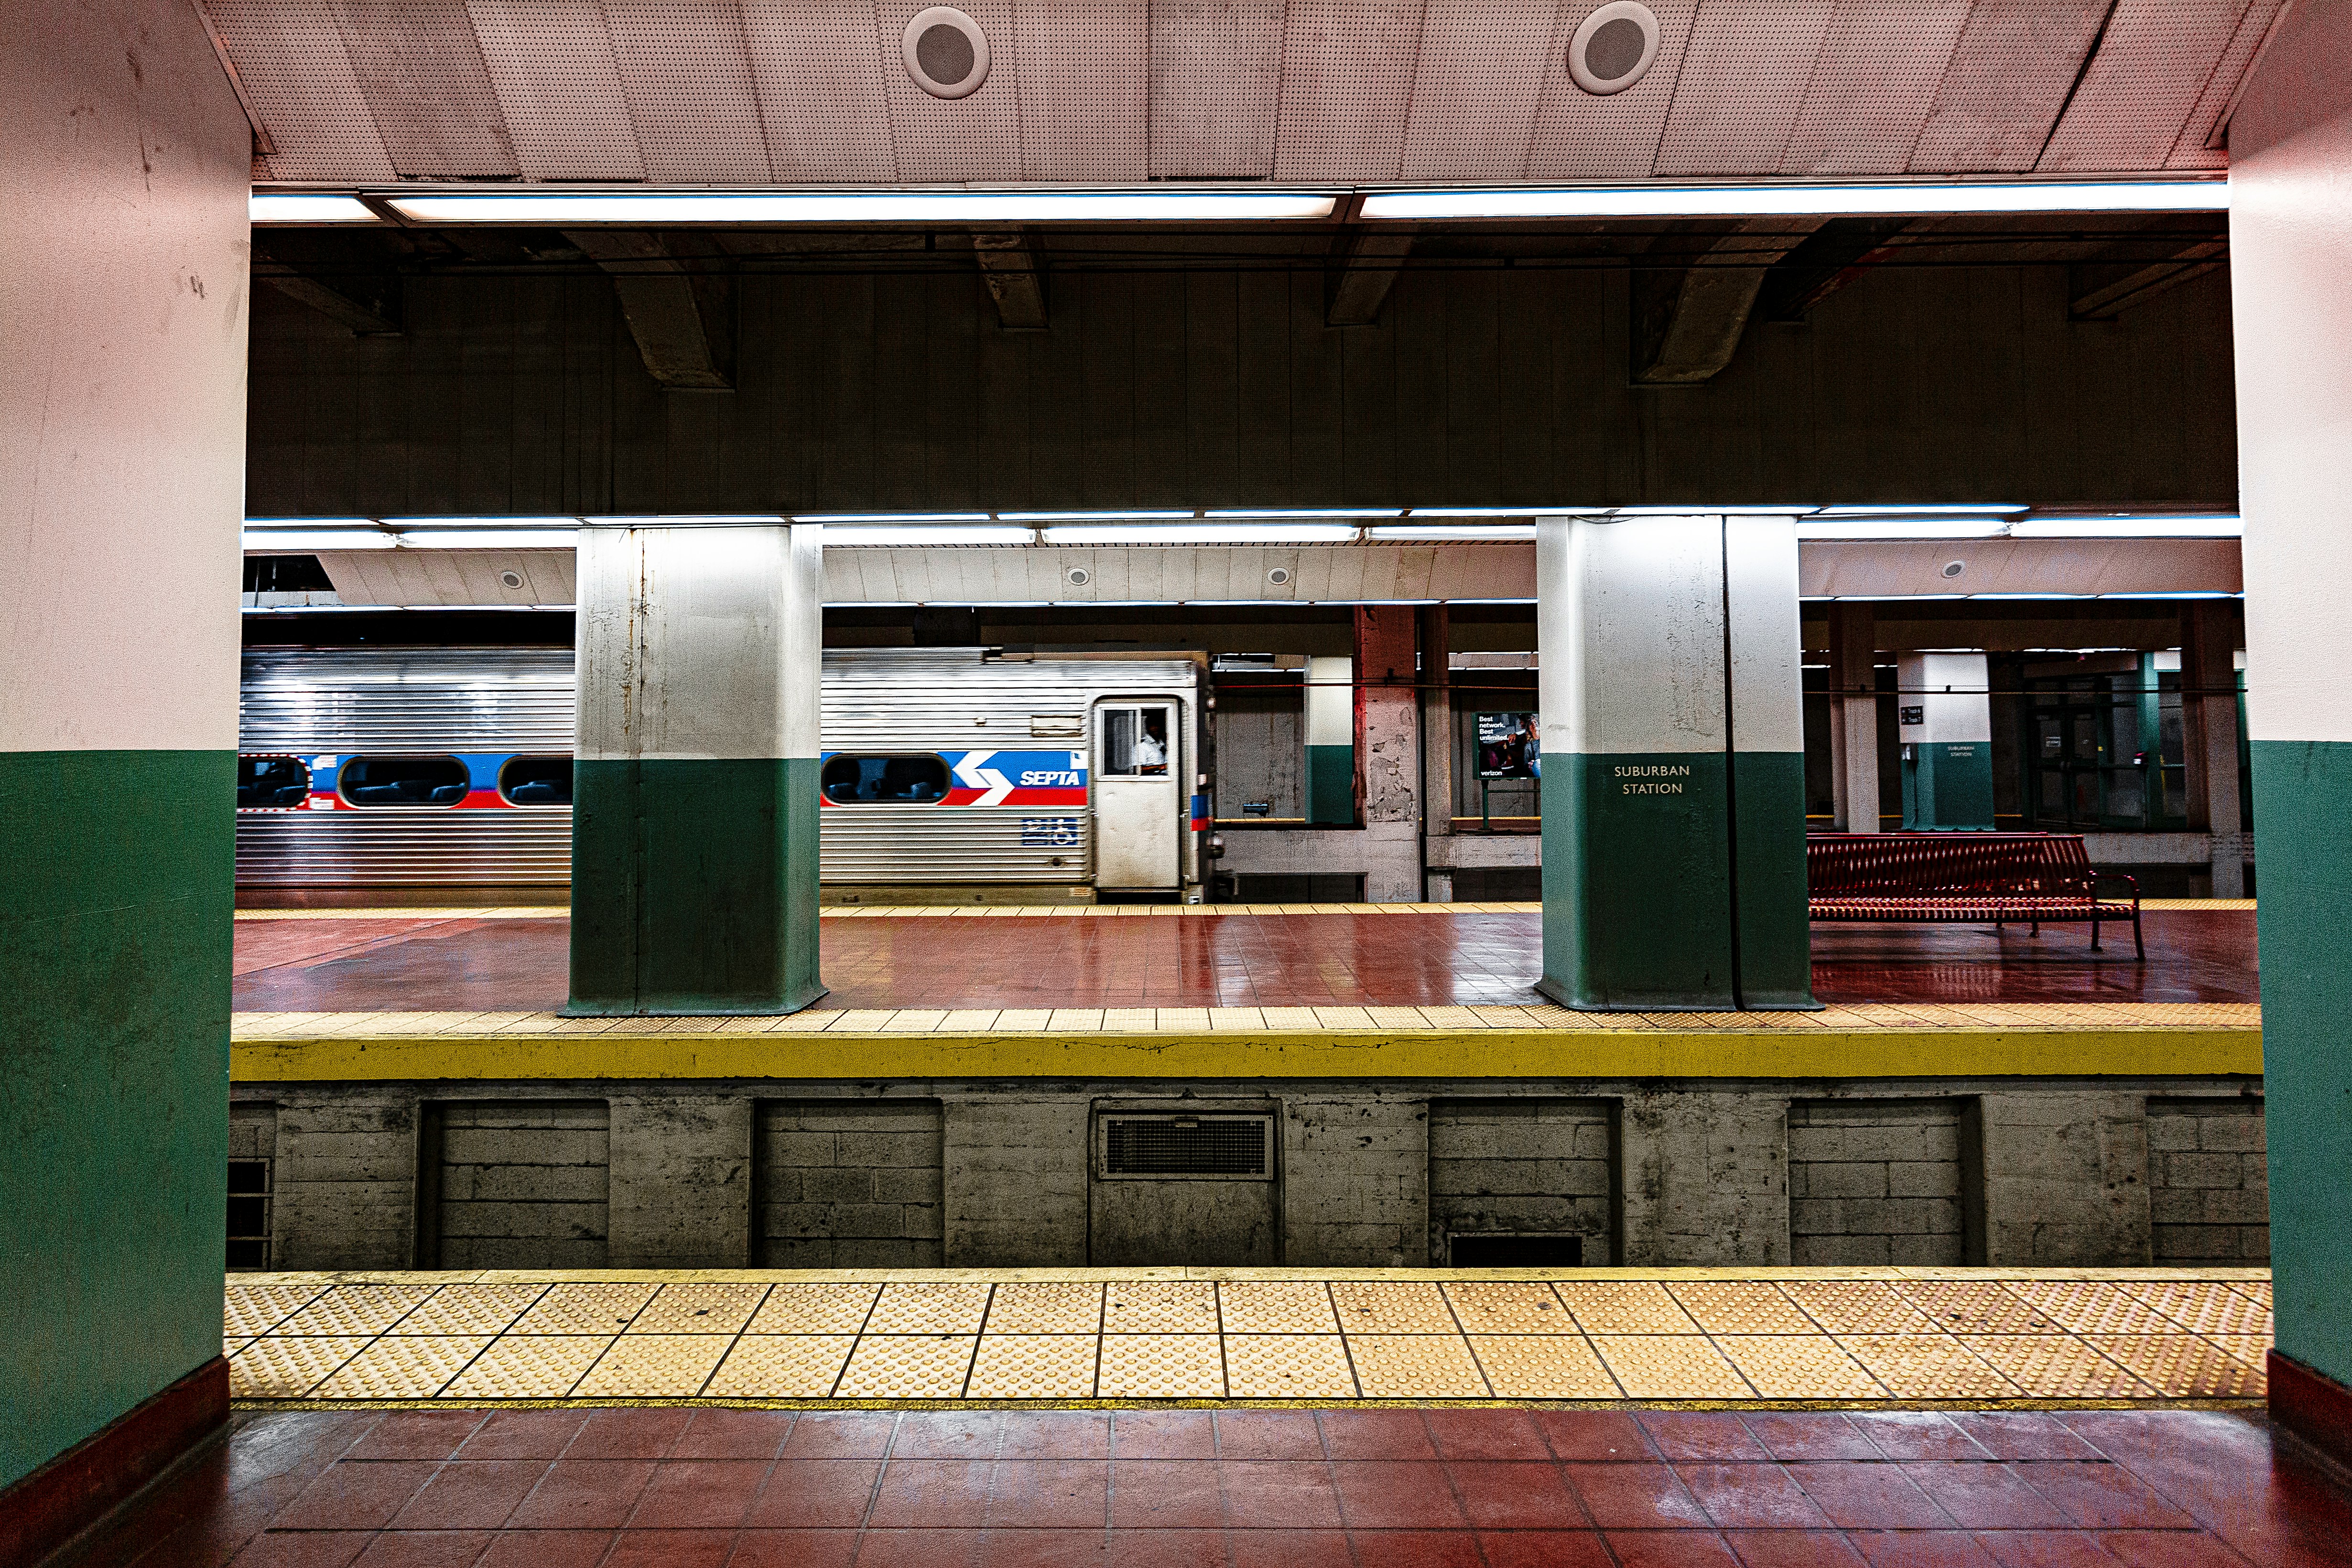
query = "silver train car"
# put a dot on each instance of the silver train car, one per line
(962, 773)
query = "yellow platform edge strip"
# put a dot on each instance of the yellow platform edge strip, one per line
(1947, 1052)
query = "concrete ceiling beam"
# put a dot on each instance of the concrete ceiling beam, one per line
(2101, 296)
(1688, 319)
(680, 310)
(1371, 262)
(1008, 265)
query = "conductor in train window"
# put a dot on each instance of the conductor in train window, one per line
(1151, 744)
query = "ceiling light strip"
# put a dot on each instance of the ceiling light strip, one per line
(1803, 200)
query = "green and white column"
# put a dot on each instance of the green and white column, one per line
(1330, 783)
(2291, 297)
(1943, 708)
(694, 817)
(1673, 770)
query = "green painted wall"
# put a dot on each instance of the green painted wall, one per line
(1331, 785)
(1636, 881)
(1776, 938)
(694, 886)
(2303, 841)
(116, 894)
(1948, 784)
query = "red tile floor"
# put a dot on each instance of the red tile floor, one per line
(429, 963)
(571, 1487)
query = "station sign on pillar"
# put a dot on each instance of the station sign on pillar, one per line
(693, 824)
(1330, 742)
(1673, 763)
(1943, 709)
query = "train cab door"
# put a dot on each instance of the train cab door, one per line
(1138, 801)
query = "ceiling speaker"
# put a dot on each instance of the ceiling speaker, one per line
(1613, 47)
(947, 54)
(1278, 576)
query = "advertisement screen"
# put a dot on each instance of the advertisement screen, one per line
(1507, 747)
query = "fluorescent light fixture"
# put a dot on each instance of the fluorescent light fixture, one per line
(266, 208)
(1095, 516)
(405, 523)
(1902, 529)
(2195, 593)
(1807, 199)
(1502, 511)
(889, 517)
(920, 534)
(1789, 511)
(489, 538)
(688, 520)
(303, 540)
(1203, 534)
(1312, 512)
(1450, 531)
(2151, 525)
(2025, 596)
(1490, 602)
(673, 208)
(1953, 511)
(1232, 603)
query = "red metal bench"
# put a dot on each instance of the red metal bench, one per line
(1960, 877)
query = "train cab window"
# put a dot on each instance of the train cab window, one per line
(536, 781)
(1134, 743)
(850, 780)
(403, 781)
(272, 781)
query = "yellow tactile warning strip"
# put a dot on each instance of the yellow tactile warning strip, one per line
(1780, 1336)
(1030, 911)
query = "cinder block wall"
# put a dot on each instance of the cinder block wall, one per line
(2208, 1180)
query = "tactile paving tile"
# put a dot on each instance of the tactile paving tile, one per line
(781, 1367)
(288, 1368)
(2182, 1366)
(909, 1367)
(2056, 1366)
(416, 1366)
(1799, 1366)
(813, 1308)
(1160, 1306)
(2092, 1306)
(2199, 1306)
(653, 1366)
(1276, 1306)
(469, 1309)
(355, 1308)
(1287, 1367)
(1033, 1366)
(1670, 1366)
(1543, 1367)
(930, 1307)
(1740, 1306)
(703, 1307)
(1977, 1307)
(230, 1346)
(1044, 1306)
(1377, 1306)
(1927, 1367)
(1624, 1307)
(584, 1309)
(528, 1367)
(1162, 1366)
(1857, 1306)
(1507, 1307)
(1415, 1366)
(256, 1308)
(2254, 1349)
(2253, 1289)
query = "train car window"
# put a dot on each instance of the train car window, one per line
(272, 781)
(1135, 743)
(851, 780)
(403, 781)
(536, 781)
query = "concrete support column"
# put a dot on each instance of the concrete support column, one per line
(693, 824)
(1437, 747)
(1943, 708)
(680, 1192)
(2208, 737)
(123, 300)
(1355, 1190)
(1015, 1182)
(2291, 295)
(2065, 1180)
(1388, 748)
(1672, 771)
(1853, 717)
(1330, 726)
(1705, 1180)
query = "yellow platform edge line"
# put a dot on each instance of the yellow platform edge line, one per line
(1945, 1052)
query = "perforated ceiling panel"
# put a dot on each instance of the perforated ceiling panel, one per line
(551, 64)
(1347, 85)
(1085, 94)
(821, 94)
(1476, 87)
(421, 73)
(2191, 150)
(1743, 81)
(977, 137)
(290, 55)
(1580, 137)
(1216, 70)
(2008, 77)
(1881, 64)
(2151, 69)
(687, 79)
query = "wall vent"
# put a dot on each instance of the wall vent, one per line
(1199, 1148)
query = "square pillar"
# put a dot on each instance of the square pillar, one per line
(1672, 771)
(1387, 751)
(694, 817)
(2208, 737)
(1331, 743)
(1436, 724)
(1943, 709)
(1853, 717)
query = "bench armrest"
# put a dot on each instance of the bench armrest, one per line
(2099, 876)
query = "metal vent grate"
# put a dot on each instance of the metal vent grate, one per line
(1188, 1145)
